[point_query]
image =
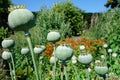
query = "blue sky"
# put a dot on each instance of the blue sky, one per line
(86, 5)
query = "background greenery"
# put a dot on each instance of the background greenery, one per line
(69, 21)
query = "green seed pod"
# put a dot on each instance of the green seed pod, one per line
(8, 43)
(6, 55)
(53, 36)
(63, 52)
(39, 49)
(53, 60)
(25, 50)
(85, 58)
(101, 70)
(21, 19)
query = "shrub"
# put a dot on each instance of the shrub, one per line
(72, 14)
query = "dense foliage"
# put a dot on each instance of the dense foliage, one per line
(101, 40)
(72, 14)
(107, 26)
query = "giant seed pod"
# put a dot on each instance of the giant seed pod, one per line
(25, 50)
(6, 55)
(7, 43)
(39, 49)
(85, 58)
(21, 19)
(63, 52)
(101, 70)
(53, 36)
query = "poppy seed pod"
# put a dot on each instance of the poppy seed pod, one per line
(63, 52)
(6, 55)
(25, 50)
(21, 19)
(53, 60)
(39, 49)
(101, 70)
(53, 36)
(85, 58)
(7, 43)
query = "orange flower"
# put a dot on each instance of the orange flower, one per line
(89, 44)
(49, 50)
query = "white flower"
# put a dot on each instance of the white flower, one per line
(97, 61)
(109, 50)
(105, 45)
(74, 57)
(102, 57)
(89, 70)
(114, 55)
(74, 61)
(82, 47)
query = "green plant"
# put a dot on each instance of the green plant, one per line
(107, 26)
(3, 33)
(72, 14)
(49, 20)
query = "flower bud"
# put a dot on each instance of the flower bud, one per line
(53, 60)
(7, 43)
(53, 36)
(6, 55)
(39, 49)
(109, 50)
(105, 45)
(25, 50)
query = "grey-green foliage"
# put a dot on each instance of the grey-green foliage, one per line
(48, 20)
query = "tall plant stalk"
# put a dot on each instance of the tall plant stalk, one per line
(65, 72)
(11, 74)
(61, 71)
(54, 67)
(32, 54)
(13, 64)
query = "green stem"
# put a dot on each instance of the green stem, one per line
(110, 62)
(61, 71)
(40, 72)
(14, 74)
(33, 55)
(54, 67)
(87, 73)
(53, 77)
(75, 68)
(40, 68)
(65, 72)
(27, 63)
(10, 66)
(105, 54)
